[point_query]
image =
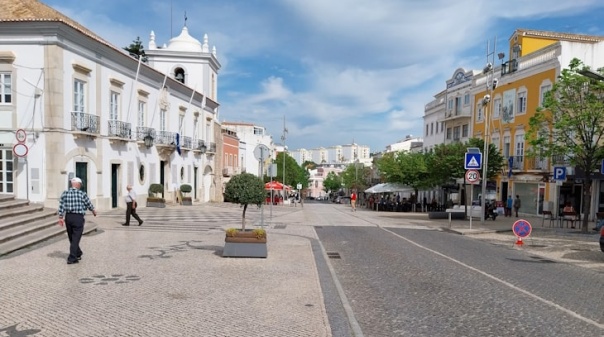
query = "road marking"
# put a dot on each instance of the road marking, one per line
(550, 303)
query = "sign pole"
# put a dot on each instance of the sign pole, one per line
(471, 206)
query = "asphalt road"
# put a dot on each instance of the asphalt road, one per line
(422, 282)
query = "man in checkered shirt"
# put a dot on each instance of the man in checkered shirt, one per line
(72, 208)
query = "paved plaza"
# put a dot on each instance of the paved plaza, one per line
(168, 278)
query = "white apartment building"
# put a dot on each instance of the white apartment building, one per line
(408, 144)
(334, 155)
(90, 110)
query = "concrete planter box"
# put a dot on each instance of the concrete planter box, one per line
(186, 201)
(245, 244)
(156, 204)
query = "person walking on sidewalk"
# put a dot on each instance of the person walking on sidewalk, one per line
(508, 206)
(73, 205)
(131, 207)
(353, 201)
(517, 204)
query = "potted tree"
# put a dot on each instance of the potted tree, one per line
(186, 200)
(153, 200)
(245, 189)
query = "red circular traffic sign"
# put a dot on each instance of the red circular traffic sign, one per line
(20, 150)
(472, 176)
(21, 135)
(522, 228)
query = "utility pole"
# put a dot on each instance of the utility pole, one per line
(491, 83)
(283, 137)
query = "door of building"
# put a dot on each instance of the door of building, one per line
(162, 176)
(6, 171)
(114, 186)
(81, 172)
(195, 183)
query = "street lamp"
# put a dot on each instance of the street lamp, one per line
(591, 74)
(283, 137)
(148, 141)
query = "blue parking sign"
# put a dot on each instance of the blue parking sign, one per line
(559, 173)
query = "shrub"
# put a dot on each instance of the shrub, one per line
(186, 188)
(156, 188)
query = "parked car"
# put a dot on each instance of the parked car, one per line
(602, 239)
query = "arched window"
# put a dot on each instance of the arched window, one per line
(179, 75)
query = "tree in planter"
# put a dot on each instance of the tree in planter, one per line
(245, 189)
(185, 189)
(155, 189)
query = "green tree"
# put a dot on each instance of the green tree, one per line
(495, 160)
(355, 176)
(332, 182)
(570, 126)
(245, 189)
(294, 173)
(136, 49)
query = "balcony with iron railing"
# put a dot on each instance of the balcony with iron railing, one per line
(212, 148)
(85, 124)
(119, 129)
(199, 146)
(537, 164)
(230, 171)
(142, 132)
(165, 138)
(186, 143)
(517, 162)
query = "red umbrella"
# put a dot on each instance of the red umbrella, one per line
(275, 185)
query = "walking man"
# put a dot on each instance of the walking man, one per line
(353, 201)
(517, 204)
(73, 205)
(131, 207)
(508, 206)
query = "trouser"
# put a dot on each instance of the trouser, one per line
(131, 211)
(508, 211)
(74, 225)
(353, 204)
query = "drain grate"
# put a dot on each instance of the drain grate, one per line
(333, 255)
(280, 226)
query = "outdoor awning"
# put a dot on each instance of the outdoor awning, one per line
(275, 185)
(389, 188)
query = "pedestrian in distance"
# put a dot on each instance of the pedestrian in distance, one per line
(508, 206)
(131, 207)
(353, 201)
(73, 205)
(517, 204)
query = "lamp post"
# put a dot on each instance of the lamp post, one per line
(283, 137)
(491, 83)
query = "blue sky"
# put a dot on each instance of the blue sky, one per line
(337, 70)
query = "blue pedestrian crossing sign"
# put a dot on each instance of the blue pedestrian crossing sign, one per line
(473, 161)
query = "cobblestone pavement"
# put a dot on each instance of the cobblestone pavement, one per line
(172, 281)
(167, 277)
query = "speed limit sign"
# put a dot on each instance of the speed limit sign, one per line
(472, 176)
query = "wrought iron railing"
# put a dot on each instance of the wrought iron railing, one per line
(165, 138)
(119, 129)
(537, 163)
(142, 132)
(83, 122)
(212, 148)
(517, 162)
(199, 145)
(186, 142)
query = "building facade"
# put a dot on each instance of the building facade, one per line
(92, 111)
(250, 136)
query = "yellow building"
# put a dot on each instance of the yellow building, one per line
(516, 89)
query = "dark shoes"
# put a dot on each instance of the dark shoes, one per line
(140, 222)
(125, 224)
(72, 262)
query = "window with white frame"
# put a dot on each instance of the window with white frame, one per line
(506, 146)
(479, 114)
(113, 105)
(544, 90)
(427, 128)
(495, 141)
(162, 120)
(6, 88)
(449, 133)
(465, 130)
(181, 124)
(79, 88)
(431, 128)
(521, 102)
(456, 132)
(519, 146)
(141, 113)
(466, 99)
(496, 107)
(450, 105)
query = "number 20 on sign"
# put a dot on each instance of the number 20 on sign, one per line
(472, 176)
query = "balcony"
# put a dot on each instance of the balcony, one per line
(517, 162)
(83, 124)
(212, 148)
(537, 164)
(186, 143)
(165, 138)
(199, 146)
(230, 171)
(119, 131)
(561, 160)
(452, 115)
(145, 136)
